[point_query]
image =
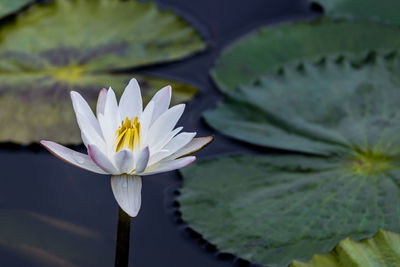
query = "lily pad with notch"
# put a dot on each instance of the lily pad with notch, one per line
(267, 49)
(343, 121)
(326, 108)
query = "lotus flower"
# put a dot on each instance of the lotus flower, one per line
(129, 142)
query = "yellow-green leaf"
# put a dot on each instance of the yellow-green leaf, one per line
(382, 250)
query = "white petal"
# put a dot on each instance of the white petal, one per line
(82, 107)
(159, 155)
(101, 101)
(130, 104)
(87, 122)
(195, 145)
(165, 123)
(159, 144)
(142, 160)
(127, 191)
(111, 119)
(162, 99)
(145, 121)
(75, 158)
(165, 166)
(101, 160)
(88, 133)
(124, 161)
(172, 146)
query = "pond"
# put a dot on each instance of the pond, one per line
(55, 214)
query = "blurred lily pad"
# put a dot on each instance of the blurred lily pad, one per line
(385, 11)
(43, 110)
(46, 241)
(327, 108)
(383, 250)
(8, 7)
(79, 45)
(269, 48)
(271, 210)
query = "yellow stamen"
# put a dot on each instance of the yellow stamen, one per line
(128, 135)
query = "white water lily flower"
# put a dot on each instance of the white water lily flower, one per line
(129, 142)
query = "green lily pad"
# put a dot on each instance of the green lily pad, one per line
(271, 210)
(383, 11)
(8, 7)
(383, 250)
(329, 108)
(49, 241)
(269, 48)
(79, 45)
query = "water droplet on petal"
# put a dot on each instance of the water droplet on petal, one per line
(125, 184)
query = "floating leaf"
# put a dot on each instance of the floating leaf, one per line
(77, 45)
(271, 47)
(272, 210)
(275, 209)
(8, 7)
(383, 250)
(327, 108)
(382, 11)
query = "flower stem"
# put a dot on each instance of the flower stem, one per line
(123, 234)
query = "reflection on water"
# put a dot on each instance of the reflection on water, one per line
(52, 215)
(47, 240)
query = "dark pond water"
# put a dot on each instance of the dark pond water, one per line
(50, 206)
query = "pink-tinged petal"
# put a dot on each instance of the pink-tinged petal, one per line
(72, 157)
(127, 190)
(172, 146)
(195, 145)
(162, 100)
(165, 166)
(142, 159)
(101, 160)
(101, 101)
(124, 161)
(145, 121)
(165, 123)
(130, 104)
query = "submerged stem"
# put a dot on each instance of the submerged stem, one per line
(123, 234)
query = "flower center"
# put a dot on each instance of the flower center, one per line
(128, 135)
